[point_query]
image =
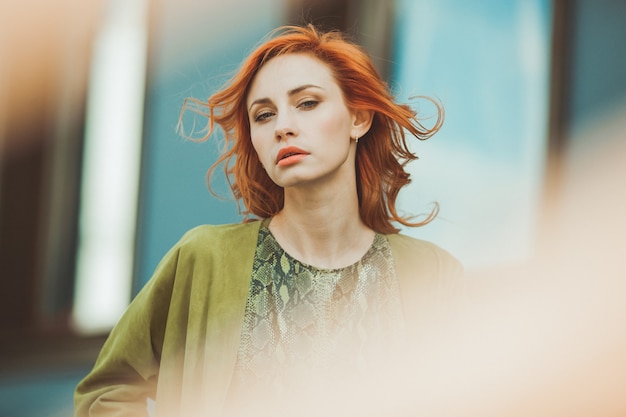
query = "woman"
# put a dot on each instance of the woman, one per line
(316, 150)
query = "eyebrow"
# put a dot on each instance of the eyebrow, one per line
(290, 93)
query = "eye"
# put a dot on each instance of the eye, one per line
(308, 104)
(262, 116)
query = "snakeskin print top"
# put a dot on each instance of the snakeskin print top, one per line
(301, 319)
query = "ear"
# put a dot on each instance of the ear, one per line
(361, 122)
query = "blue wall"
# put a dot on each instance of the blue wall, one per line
(489, 63)
(39, 394)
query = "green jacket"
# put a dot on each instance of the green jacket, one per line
(178, 340)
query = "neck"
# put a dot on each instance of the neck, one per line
(325, 231)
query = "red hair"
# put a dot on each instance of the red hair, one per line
(382, 153)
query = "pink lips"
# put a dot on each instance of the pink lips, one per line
(289, 156)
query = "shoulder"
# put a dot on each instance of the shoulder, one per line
(206, 249)
(205, 244)
(220, 236)
(411, 254)
(407, 245)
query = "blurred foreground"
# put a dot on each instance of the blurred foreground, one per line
(544, 339)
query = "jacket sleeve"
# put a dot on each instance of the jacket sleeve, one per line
(126, 371)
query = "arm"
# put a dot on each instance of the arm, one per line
(126, 371)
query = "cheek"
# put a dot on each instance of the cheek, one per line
(259, 148)
(336, 121)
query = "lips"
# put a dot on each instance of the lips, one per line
(289, 155)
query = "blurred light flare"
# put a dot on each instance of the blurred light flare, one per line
(111, 163)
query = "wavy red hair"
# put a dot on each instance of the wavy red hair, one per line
(382, 153)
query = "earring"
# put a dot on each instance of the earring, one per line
(356, 139)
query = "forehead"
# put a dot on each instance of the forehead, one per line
(286, 72)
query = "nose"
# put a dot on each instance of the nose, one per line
(285, 126)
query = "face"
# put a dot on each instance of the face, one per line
(299, 123)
